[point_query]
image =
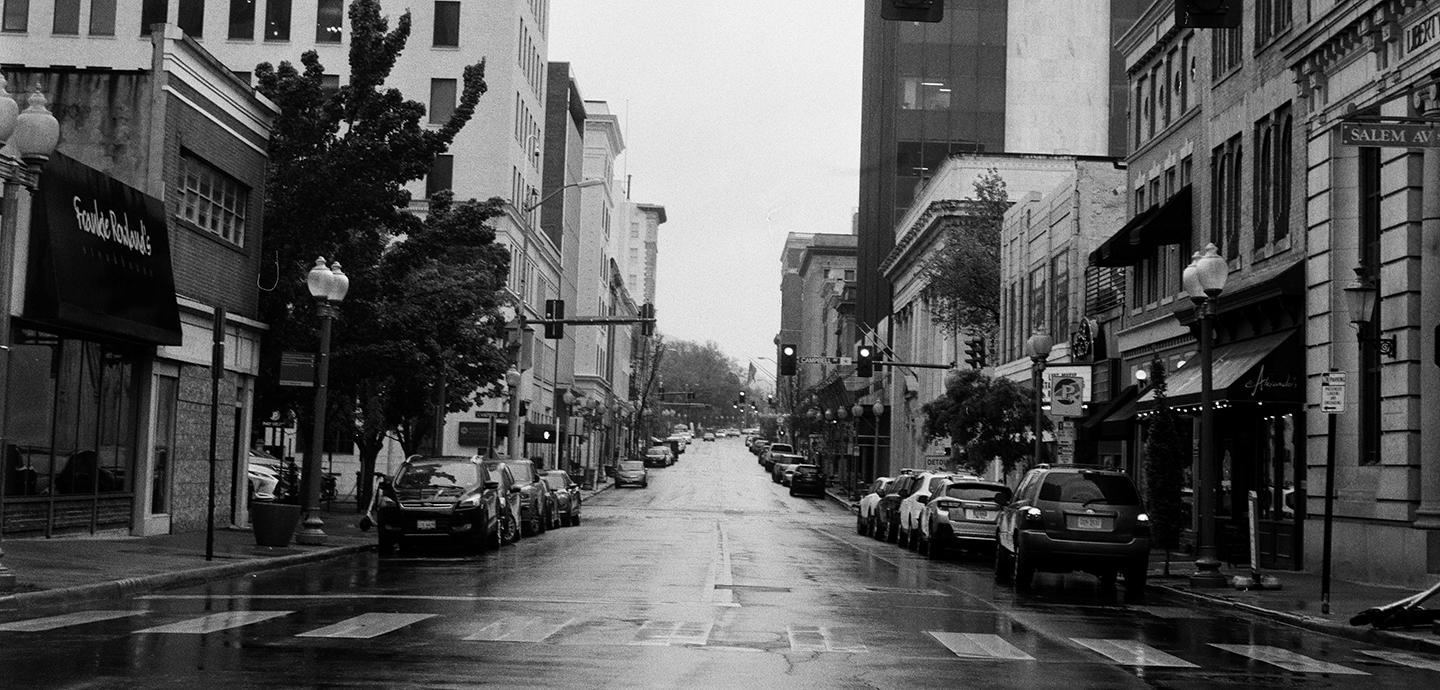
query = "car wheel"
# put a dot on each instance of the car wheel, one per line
(922, 545)
(902, 538)
(870, 527)
(493, 540)
(1002, 565)
(509, 530)
(1024, 568)
(1135, 577)
(859, 525)
(892, 533)
(792, 491)
(575, 520)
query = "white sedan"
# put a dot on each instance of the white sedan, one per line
(865, 517)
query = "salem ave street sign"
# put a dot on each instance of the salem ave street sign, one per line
(1389, 134)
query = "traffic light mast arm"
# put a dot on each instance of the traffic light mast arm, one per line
(918, 365)
(591, 321)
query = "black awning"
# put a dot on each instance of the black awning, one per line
(1115, 413)
(1259, 370)
(100, 257)
(1168, 223)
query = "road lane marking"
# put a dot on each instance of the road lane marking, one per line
(520, 629)
(368, 625)
(215, 622)
(1405, 659)
(1286, 659)
(665, 633)
(817, 638)
(721, 576)
(980, 646)
(1131, 653)
(66, 620)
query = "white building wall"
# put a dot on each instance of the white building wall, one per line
(1057, 79)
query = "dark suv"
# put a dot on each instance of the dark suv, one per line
(887, 511)
(1068, 518)
(537, 499)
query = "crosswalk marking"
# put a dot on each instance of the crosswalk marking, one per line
(520, 629)
(980, 646)
(1405, 659)
(1131, 653)
(367, 625)
(1288, 660)
(66, 620)
(215, 622)
(819, 638)
(673, 633)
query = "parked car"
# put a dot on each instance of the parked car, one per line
(567, 496)
(459, 499)
(779, 470)
(758, 447)
(807, 479)
(961, 513)
(708, 437)
(659, 456)
(537, 501)
(1069, 518)
(887, 512)
(913, 504)
(781, 453)
(632, 473)
(865, 511)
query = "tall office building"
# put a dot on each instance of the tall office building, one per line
(1017, 76)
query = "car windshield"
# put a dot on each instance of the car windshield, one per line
(440, 475)
(632, 465)
(519, 469)
(556, 482)
(979, 492)
(807, 469)
(658, 452)
(781, 448)
(1089, 487)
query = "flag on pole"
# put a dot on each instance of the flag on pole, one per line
(751, 378)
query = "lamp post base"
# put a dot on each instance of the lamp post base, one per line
(1207, 574)
(312, 532)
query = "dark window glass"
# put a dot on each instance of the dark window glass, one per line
(330, 84)
(67, 17)
(102, 17)
(329, 21)
(442, 100)
(242, 19)
(447, 23)
(191, 17)
(153, 12)
(17, 15)
(277, 20)
(1087, 487)
(445, 478)
(442, 175)
(978, 492)
(163, 442)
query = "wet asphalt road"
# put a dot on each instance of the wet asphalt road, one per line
(711, 577)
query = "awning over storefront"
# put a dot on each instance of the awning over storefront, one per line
(1112, 418)
(100, 257)
(1241, 372)
(1168, 223)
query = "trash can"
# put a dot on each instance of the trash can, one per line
(274, 523)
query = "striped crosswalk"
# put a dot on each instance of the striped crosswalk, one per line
(795, 638)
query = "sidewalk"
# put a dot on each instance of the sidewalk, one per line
(66, 573)
(1297, 602)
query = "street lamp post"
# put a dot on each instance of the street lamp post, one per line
(33, 135)
(1204, 280)
(1038, 345)
(328, 285)
(512, 434)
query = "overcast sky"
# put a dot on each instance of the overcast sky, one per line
(742, 119)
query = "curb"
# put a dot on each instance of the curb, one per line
(1373, 636)
(67, 598)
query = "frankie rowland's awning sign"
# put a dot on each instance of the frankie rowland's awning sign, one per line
(100, 257)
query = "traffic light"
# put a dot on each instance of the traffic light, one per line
(742, 399)
(975, 353)
(770, 400)
(1208, 14)
(554, 309)
(912, 10)
(647, 326)
(865, 361)
(787, 360)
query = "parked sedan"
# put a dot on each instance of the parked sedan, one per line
(537, 501)
(807, 479)
(865, 511)
(962, 513)
(567, 496)
(659, 456)
(632, 473)
(459, 499)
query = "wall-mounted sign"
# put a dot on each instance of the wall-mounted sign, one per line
(1421, 33)
(1082, 341)
(1067, 395)
(297, 369)
(1399, 134)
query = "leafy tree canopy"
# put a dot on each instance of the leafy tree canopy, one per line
(705, 370)
(963, 275)
(987, 417)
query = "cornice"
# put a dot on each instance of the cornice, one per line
(924, 225)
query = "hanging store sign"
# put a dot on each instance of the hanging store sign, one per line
(1067, 395)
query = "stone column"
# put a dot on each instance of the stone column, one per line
(1427, 517)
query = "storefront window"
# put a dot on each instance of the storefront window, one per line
(1276, 490)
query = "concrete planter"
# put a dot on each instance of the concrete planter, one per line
(274, 523)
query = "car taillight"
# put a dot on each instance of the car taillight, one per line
(947, 504)
(1142, 525)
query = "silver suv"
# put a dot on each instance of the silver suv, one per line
(1069, 518)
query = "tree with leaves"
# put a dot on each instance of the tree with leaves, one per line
(984, 416)
(962, 276)
(339, 163)
(1165, 462)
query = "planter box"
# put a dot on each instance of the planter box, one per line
(274, 523)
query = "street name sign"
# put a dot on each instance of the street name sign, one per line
(1388, 134)
(818, 359)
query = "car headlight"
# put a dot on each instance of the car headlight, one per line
(1142, 518)
(471, 501)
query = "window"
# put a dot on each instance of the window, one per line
(163, 442)
(191, 17)
(1272, 18)
(277, 20)
(1060, 310)
(329, 21)
(924, 93)
(153, 12)
(442, 100)
(1225, 197)
(17, 15)
(1264, 183)
(212, 200)
(1283, 123)
(1369, 231)
(329, 84)
(242, 20)
(1225, 51)
(447, 23)
(442, 175)
(102, 17)
(67, 17)
(1184, 74)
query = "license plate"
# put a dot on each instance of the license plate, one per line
(424, 524)
(988, 515)
(1090, 523)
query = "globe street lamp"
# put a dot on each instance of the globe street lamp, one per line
(1038, 345)
(32, 135)
(1204, 280)
(328, 285)
(512, 430)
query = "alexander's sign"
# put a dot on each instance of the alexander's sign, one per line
(100, 257)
